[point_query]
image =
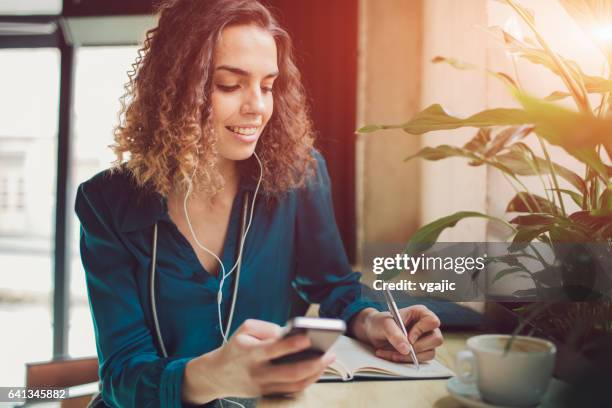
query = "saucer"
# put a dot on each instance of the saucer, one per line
(467, 394)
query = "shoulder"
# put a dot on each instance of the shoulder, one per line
(317, 183)
(112, 178)
(113, 183)
(319, 176)
(106, 194)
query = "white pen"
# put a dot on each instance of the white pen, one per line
(398, 320)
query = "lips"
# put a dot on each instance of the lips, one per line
(243, 130)
(244, 133)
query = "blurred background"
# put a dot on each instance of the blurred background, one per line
(62, 70)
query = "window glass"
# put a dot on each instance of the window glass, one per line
(28, 140)
(30, 6)
(100, 75)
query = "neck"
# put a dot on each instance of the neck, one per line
(229, 171)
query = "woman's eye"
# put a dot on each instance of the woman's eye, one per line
(227, 88)
(266, 89)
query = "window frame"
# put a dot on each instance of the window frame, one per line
(59, 37)
(60, 261)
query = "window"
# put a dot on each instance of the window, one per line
(30, 7)
(21, 196)
(12, 186)
(4, 194)
(100, 74)
(28, 139)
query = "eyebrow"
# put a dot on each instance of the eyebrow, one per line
(242, 72)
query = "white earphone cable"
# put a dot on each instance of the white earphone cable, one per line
(224, 275)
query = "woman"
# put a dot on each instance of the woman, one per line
(216, 129)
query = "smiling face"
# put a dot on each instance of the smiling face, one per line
(242, 104)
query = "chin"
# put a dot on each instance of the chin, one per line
(238, 153)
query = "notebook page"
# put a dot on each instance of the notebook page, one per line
(357, 357)
(336, 370)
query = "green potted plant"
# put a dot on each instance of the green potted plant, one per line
(542, 216)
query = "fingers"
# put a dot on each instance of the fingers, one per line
(423, 319)
(396, 357)
(301, 382)
(295, 372)
(395, 336)
(284, 346)
(429, 341)
(424, 349)
(424, 335)
(290, 388)
(259, 329)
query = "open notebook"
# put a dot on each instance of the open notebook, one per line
(355, 360)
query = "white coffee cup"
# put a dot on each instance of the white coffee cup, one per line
(517, 378)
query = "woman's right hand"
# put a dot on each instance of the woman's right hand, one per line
(242, 368)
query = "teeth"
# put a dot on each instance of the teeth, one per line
(247, 131)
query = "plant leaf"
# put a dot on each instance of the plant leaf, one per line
(507, 271)
(527, 13)
(600, 227)
(537, 55)
(531, 203)
(511, 134)
(577, 198)
(369, 129)
(519, 163)
(441, 152)
(525, 235)
(533, 220)
(595, 84)
(434, 117)
(556, 95)
(567, 234)
(577, 133)
(605, 201)
(455, 63)
(428, 234)
(479, 142)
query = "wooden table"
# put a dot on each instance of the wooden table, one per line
(383, 394)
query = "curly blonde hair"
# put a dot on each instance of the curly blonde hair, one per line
(165, 117)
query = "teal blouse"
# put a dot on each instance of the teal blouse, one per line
(293, 245)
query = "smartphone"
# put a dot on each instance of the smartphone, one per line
(322, 333)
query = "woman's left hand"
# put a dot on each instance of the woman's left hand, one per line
(389, 342)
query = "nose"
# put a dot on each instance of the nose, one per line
(254, 103)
